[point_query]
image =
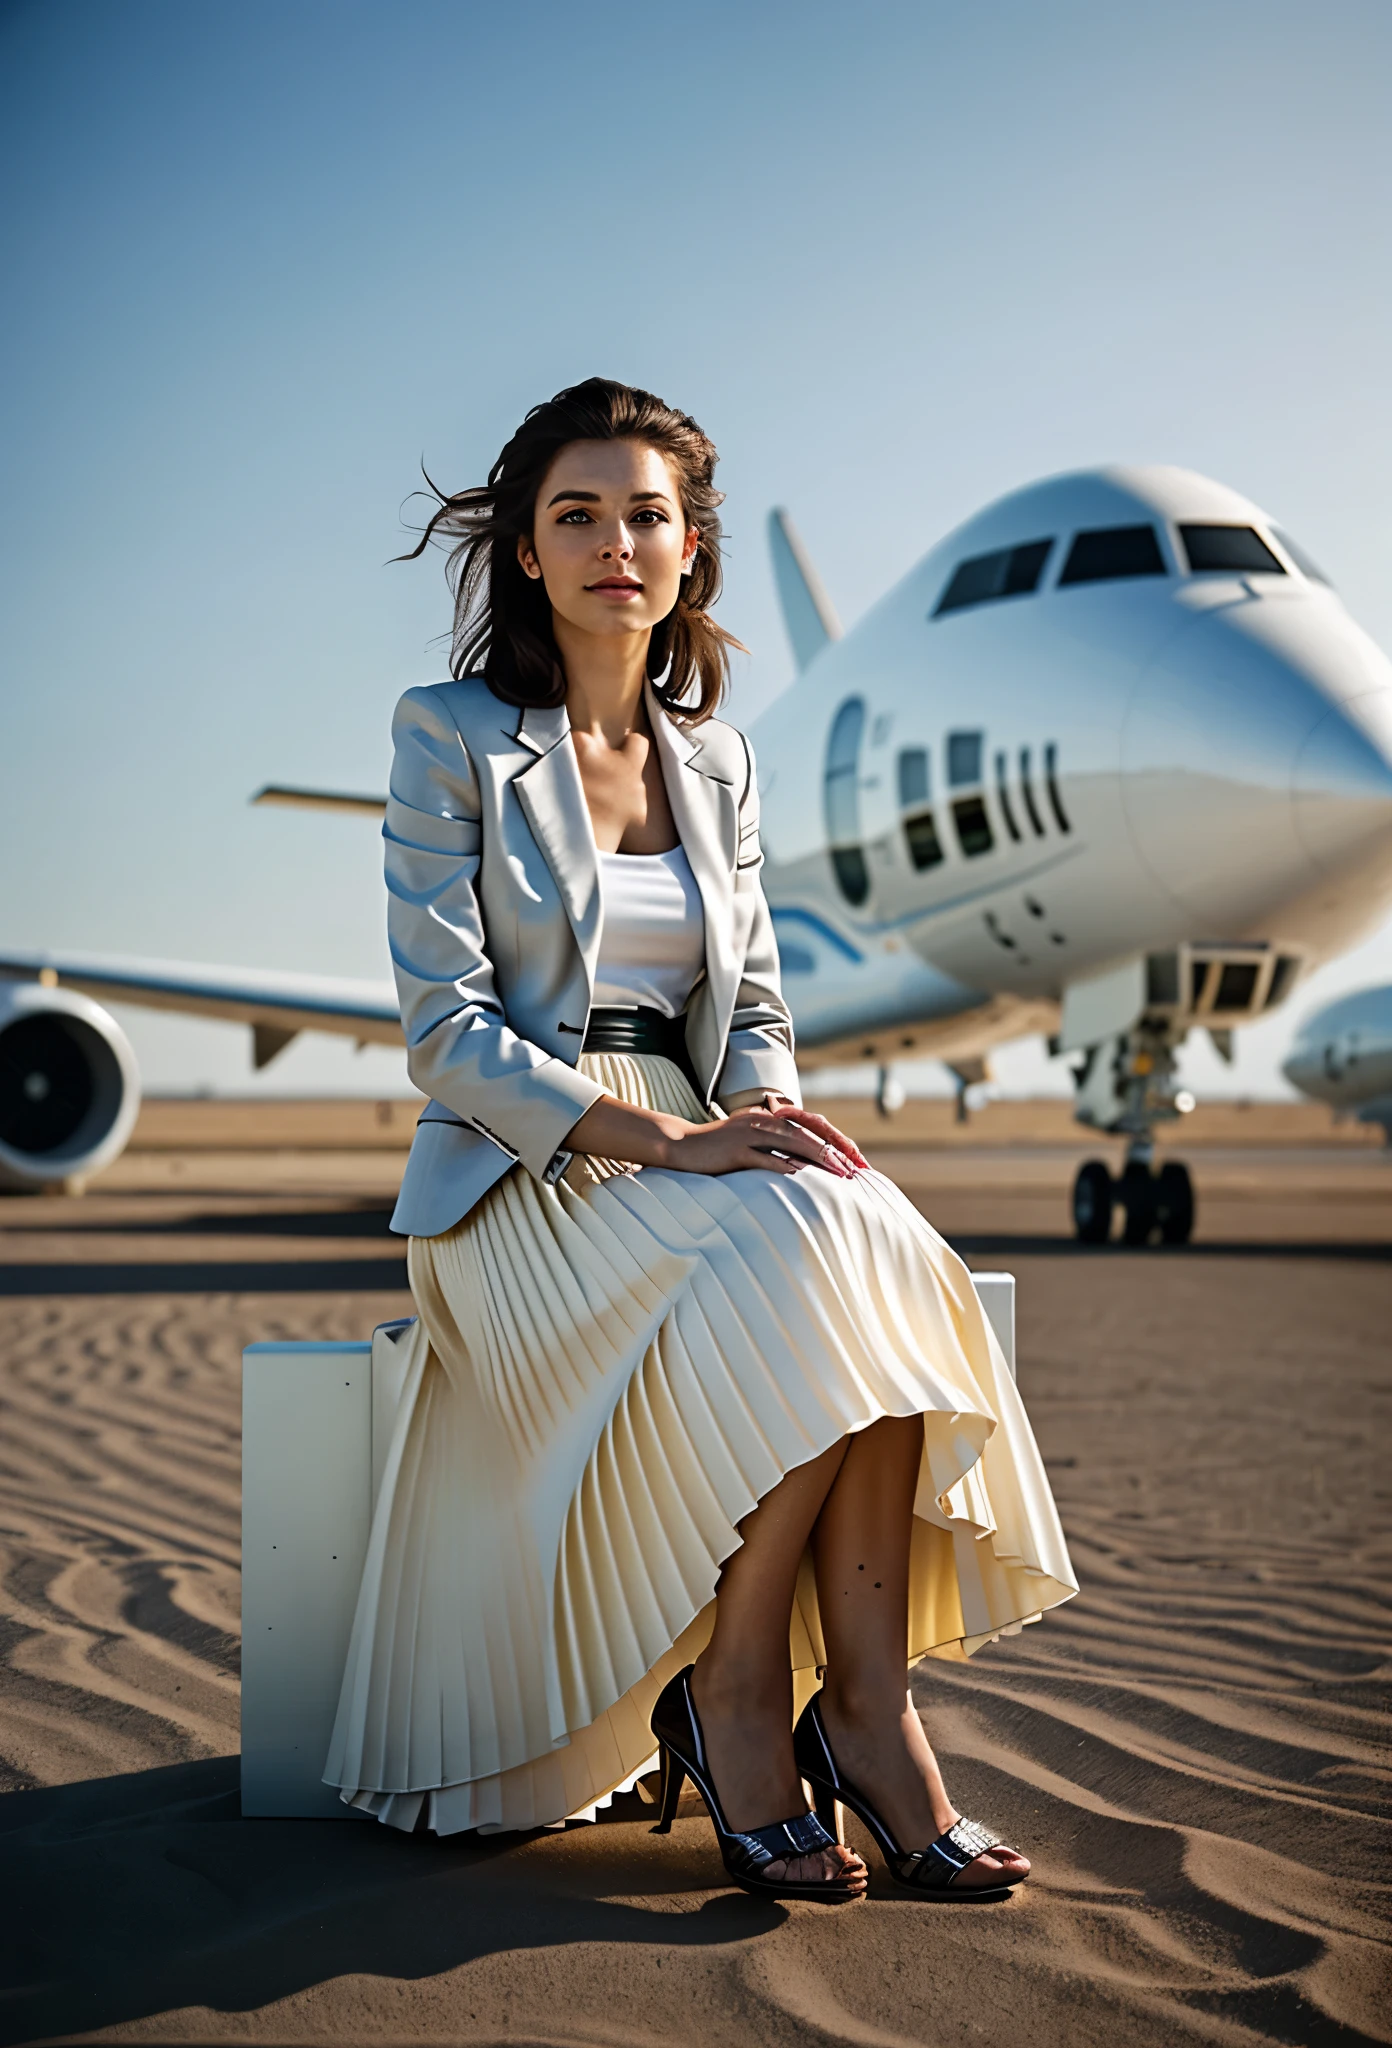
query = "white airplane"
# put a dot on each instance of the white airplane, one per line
(1112, 762)
(1342, 1055)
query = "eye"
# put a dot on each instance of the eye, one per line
(576, 516)
(652, 514)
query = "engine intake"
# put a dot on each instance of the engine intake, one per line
(69, 1087)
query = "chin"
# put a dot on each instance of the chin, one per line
(616, 620)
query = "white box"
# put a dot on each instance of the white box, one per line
(996, 1293)
(316, 1422)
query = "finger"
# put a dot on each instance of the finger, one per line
(827, 1131)
(816, 1152)
(792, 1140)
(816, 1140)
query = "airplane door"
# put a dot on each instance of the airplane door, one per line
(879, 807)
(860, 804)
(841, 796)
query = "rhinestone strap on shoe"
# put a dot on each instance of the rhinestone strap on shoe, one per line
(944, 1860)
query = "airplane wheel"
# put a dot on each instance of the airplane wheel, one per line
(1174, 1203)
(1093, 1195)
(1136, 1193)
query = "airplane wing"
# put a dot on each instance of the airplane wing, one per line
(276, 1005)
(296, 798)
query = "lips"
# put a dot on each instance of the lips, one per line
(617, 583)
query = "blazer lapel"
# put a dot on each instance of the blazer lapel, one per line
(553, 801)
(705, 808)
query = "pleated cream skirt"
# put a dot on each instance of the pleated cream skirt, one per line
(606, 1377)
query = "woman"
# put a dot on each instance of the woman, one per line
(698, 1406)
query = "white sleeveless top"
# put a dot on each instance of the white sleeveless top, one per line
(652, 947)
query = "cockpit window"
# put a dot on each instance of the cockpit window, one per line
(1298, 555)
(1108, 552)
(1008, 572)
(1239, 549)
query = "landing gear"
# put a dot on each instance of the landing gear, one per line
(1174, 1203)
(1152, 1204)
(1127, 1085)
(890, 1095)
(1136, 1192)
(1093, 1195)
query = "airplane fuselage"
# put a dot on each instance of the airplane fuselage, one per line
(1056, 744)
(1342, 1055)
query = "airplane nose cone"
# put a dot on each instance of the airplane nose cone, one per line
(1257, 756)
(1342, 784)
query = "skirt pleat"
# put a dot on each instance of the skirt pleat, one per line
(606, 1377)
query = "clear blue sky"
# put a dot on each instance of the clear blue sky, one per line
(262, 258)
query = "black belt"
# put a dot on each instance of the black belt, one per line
(641, 1030)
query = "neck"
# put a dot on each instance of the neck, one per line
(604, 680)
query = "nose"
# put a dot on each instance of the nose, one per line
(617, 546)
(1257, 761)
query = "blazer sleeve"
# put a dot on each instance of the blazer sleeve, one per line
(460, 1049)
(759, 1052)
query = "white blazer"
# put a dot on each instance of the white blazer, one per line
(494, 915)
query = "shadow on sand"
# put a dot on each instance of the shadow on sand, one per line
(137, 1895)
(1003, 1244)
(209, 1276)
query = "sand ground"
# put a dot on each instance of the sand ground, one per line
(1193, 1751)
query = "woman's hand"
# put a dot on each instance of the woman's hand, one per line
(781, 1138)
(777, 1136)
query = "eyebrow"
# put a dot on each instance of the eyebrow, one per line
(592, 498)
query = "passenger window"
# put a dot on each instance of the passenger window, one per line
(963, 758)
(921, 838)
(1003, 798)
(913, 777)
(974, 834)
(1027, 792)
(1110, 552)
(1051, 784)
(1006, 572)
(842, 800)
(1239, 548)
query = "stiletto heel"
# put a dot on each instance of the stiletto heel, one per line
(824, 1806)
(673, 1778)
(931, 1870)
(745, 1854)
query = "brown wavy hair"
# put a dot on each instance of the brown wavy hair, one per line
(502, 616)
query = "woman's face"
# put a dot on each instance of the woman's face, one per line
(609, 540)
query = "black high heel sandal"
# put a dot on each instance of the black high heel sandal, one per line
(747, 1855)
(932, 1870)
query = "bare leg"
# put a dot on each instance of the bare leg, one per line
(742, 1684)
(861, 1548)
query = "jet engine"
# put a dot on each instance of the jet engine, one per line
(69, 1087)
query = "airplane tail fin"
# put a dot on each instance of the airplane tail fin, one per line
(807, 610)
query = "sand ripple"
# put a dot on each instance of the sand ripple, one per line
(1194, 1751)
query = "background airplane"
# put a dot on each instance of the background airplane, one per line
(1342, 1055)
(1111, 763)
